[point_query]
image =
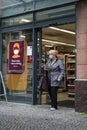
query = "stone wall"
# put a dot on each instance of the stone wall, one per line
(81, 63)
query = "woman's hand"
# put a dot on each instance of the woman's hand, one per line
(59, 79)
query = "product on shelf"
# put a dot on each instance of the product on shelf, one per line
(70, 74)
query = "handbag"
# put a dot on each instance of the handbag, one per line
(43, 84)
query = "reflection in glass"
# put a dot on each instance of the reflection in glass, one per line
(55, 13)
(17, 20)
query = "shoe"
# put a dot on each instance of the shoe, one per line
(52, 109)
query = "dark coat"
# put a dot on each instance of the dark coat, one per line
(55, 71)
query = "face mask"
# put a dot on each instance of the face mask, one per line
(16, 51)
(50, 56)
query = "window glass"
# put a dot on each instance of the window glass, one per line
(17, 20)
(55, 13)
(18, 85)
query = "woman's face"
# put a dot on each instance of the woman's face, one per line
(52, 56)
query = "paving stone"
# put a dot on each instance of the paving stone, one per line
(15, 116)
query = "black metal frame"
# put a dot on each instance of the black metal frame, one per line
(0, 50)
(37, 27)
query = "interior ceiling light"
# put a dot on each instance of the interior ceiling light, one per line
(63, 30)
(55, 42)
(48, 46)
(25, 20)
(22, 36)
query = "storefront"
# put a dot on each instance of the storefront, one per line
(25, 33)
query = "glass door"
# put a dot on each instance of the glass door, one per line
(18, 83)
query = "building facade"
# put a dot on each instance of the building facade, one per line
(24, 28)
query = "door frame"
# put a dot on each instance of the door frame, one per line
(36, 26)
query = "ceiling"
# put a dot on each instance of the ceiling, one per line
(52, 37)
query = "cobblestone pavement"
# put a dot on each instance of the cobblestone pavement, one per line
(15, 116)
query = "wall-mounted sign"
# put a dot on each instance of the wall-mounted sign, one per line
(16, 57)
(29, 50)
(29, 54)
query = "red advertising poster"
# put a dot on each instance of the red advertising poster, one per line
(16, 57)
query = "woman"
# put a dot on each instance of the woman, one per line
(55, 69)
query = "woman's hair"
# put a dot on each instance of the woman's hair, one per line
(55, 52)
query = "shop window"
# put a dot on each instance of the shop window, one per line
(54, 13)
(18, 85)
(17, 20)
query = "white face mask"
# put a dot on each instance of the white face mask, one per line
(50, 56)
(16, 51)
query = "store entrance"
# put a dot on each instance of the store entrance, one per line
(61, 38)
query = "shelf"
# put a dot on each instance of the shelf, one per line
(70, 85)
(71, 69)
(71, 94)
(70, 62)
(71, 56)
(70, 77)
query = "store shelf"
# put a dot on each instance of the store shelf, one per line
(71, 56)
(71, 69)
(72, 85)
(71, 94)
(70, 77)
(70, 74)
(71, 62)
